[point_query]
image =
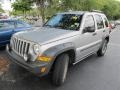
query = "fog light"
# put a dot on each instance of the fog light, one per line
(43, 69)
(25, 57)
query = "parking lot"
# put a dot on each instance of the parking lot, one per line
(93, 73)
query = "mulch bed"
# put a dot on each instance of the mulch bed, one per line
(4, 63)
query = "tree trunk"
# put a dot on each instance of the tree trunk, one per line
(42, 8)
(43, 14)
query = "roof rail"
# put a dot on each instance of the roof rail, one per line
(98, 11)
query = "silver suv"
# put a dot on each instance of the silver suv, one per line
(66, 38)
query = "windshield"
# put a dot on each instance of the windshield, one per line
(65, 21)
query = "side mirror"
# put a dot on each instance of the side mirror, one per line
(89, 29)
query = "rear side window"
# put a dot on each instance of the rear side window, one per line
(99, 21)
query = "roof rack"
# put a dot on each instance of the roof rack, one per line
(98, 11)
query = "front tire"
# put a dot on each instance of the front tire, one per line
(102, 50)
(60, 69)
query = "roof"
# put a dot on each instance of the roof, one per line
(8, 19)
(81, 12)
(74, 12)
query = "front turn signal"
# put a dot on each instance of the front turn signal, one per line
(44, 58)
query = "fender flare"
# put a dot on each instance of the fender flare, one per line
(58, 49)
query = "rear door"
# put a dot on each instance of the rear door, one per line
(100, 27)
(6, 31)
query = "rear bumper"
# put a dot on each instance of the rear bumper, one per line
(34, 67)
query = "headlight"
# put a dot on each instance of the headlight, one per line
(36, 49)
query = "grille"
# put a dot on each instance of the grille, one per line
(19, 46)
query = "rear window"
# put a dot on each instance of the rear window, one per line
(19, 24)
(5, 25)
(99, 21)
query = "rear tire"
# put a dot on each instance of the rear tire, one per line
(60, 69)
(102, 50)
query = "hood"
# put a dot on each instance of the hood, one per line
(45, 35)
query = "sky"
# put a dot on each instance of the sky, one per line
(6, 4)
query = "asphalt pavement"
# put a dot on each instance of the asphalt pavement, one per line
(93, 73)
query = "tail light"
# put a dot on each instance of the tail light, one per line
(110, 27)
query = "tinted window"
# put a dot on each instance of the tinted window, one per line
(89, 22)
(99, 21)
(6, 25)
(65, 21)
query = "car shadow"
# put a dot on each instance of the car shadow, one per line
(2, 48)
(18, 77)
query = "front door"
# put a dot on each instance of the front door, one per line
(88, 40)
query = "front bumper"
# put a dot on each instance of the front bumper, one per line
(34, 67)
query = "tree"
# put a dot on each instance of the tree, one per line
(41, 6)
(1, 10)
(21, 5)
(110, 7)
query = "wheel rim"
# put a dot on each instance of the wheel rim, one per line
(104, 48)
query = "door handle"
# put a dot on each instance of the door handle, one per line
(94, 34)
(103, 30)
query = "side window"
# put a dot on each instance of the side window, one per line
(6, 25)
(19, 24)
(99, 21)
(89, 23)
(106, 22)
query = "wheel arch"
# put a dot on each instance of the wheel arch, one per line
(107, 38)
(56, 51)
(71, 53)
